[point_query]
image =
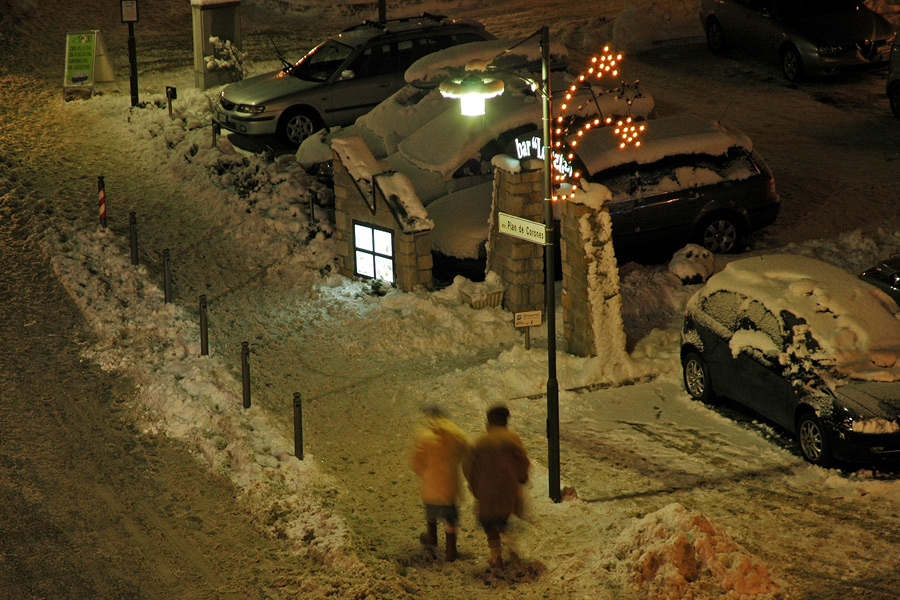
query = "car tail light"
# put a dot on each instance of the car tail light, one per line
(770, 189)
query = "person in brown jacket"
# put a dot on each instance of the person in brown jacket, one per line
(496, 467)
(438, 451)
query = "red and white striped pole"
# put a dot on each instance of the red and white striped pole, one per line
(101, 188)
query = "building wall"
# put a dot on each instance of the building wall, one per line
(412, 250)
(221, 20)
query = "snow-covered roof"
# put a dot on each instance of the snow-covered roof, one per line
(503, 53)
(397, 188)
(666, 136)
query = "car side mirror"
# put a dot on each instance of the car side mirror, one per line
(347, 74)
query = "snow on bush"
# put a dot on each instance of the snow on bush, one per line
(226, 57)
(678, 554)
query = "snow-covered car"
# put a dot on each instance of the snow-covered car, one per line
(807, 37)
(806, 345)
(893, 79)
(690, 180)
(340, 79)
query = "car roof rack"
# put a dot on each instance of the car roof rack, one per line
(383, 25)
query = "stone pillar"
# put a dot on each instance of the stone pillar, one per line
(214, 18)
(518, 263)
(591, 300)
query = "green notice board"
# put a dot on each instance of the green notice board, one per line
(87, 61)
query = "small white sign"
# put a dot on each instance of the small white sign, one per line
(531, 318)
(522, 228)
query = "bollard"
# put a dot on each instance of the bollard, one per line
(132, 229)
(216, 130)
(204, 335)
(167, 275)
(171, 94)
(245, 372)
(101, 189)
(298, 426)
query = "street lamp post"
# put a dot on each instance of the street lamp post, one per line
(550, 280)
(480, 88)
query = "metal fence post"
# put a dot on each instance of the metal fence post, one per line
(167, 275)
(132, 230)
(204, 333)
(298, 426)
(245, 372)
(101, 190)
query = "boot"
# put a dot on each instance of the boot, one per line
(496, 559)
(451, 554)
(429, 538)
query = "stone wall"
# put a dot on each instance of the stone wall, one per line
(519, 263)
(591, 300)
(412, 249)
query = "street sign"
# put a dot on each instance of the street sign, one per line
(129, 11)
(522, 228)
(530, 318)
(87, 62)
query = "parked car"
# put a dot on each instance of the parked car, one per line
(893, 79)
(340, 79)
(807, 37)
(885, 275)
(806, 345)
(690, 180)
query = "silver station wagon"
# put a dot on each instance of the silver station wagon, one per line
(340, 79)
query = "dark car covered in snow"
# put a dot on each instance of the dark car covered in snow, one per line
(690, 180)
(806, 345)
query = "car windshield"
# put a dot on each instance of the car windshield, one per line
(322, 61)
(799, 9)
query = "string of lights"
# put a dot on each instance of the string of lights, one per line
(627, 129)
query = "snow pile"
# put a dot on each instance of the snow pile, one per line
(678, 554)
(693, 264)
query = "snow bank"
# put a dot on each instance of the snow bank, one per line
(677, 554)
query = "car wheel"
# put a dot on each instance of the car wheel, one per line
(696, 378)
(715, 37)
(894, 97)
(792, 64)
(720, 235)
(814, 444)
(296, 125)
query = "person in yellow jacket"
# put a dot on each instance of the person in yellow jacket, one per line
(438, 451)
(496, 468)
